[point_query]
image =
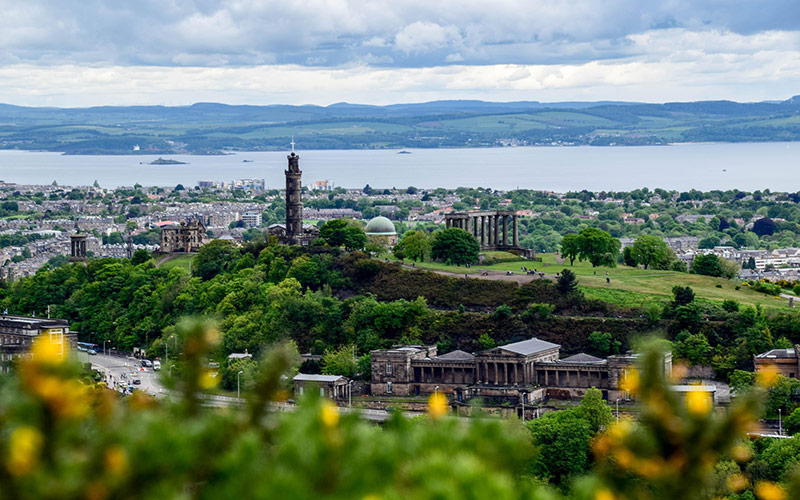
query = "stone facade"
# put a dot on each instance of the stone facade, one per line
(183, 237)
(523, 371)
(17, 333)
(77, 247)
(786, 361)
(294, 232)
(494, 229)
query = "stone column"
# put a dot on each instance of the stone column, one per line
(496, 230)
(492, 235)
(505, 373)
(483, 230)
(516, 234)
(516, 374)
(505, 230)
(496, 373)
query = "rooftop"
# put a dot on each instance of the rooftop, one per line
(456, 355)
(778, 353)
(530, 346)
(582, 358)
(304, 377)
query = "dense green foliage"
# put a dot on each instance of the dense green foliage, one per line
(454, 246)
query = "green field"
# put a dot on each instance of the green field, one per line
(183, 261)
(629, 286)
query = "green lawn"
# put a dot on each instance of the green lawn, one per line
(629, 286)
(183, 261)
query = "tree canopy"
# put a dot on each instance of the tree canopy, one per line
(454, 246)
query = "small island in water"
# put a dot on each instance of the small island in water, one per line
(162, 161)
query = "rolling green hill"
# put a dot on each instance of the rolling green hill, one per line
(210, 127)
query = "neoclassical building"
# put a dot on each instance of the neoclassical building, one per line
(184, 237)
(529, 370)
(493, 229)
(381, 230)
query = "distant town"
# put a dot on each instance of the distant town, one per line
(758, 231)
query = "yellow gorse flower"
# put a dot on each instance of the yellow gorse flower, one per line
(24, 447)
(767, 377)
(698, 402)
(437, 405)
(630, 381)
(116, 461)
(329, 415)
(765, 490)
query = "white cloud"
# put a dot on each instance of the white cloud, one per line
(425, 37)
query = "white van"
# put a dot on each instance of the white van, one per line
(156, 365)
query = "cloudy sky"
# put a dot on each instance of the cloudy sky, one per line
(174, 52)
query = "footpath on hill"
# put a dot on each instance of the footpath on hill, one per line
(518, 277)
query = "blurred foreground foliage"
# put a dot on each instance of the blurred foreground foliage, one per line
(61, 439)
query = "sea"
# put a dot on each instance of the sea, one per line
(745, 166)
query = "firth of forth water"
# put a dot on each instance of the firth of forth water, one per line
(745, 166)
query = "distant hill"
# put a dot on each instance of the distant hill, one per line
(208, 128)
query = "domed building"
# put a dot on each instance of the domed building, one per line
(381, 230)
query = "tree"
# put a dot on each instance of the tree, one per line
(570, 247)
(708, 242)
(793, 422)
(415, 245)
(594, 410)
(598, 247)
(764, 227)
(567, 283)
(212, 258)
(339, 361)
(563, 439)
(707, 265)
(354, 238)
(649, 250)
(140, 256)
(454, 246)
(693, 348)
(628, 258)
(604, 343)
(682, 295)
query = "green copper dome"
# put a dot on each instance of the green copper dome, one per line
(380, 225)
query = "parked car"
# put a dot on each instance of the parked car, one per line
(156, 365)
(136, 381)
(147, 363)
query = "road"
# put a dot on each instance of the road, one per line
(121, 371)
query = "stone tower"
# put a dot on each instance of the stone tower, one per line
(294, 203)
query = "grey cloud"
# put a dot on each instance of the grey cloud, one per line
(412, 33)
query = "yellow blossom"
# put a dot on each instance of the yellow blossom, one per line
(603, 494)
(116, 460)
(737, 482)
(768, 376)
(698, 402)
(208, 380)
(47, 351)
(24, 447)
(679, 371)
(741, 453)
(437, 405)
(769, 491)
(330, 414)
(630, 381)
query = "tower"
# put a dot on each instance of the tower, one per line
(294, 203)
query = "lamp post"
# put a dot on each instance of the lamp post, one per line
(238, 391)
(105, 351)
(436, 390)
(349, 393)
(617, 410)
(524, 396)
(170, 369)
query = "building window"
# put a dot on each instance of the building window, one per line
(388, 368)
(388, 387)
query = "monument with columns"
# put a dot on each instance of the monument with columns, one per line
(493, 229)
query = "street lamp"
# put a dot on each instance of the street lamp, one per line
(238, 390)
(436, 390)
(617, 410)
(524, 396)
(105, 351)
(349, 393)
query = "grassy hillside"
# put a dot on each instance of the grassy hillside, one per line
(629, 286)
